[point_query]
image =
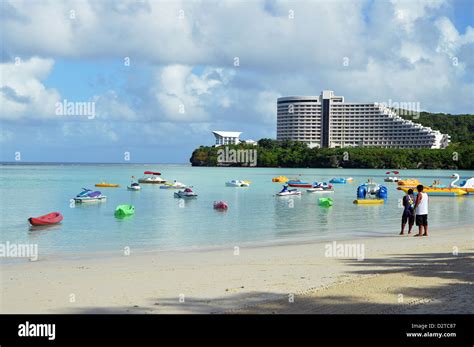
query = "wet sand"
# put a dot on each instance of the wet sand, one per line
(399, 274)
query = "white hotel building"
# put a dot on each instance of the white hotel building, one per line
(328, 121)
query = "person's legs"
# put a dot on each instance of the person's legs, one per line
(404, 222)
(420, 230)
(411, 221)
(419, 223)
(425, 226)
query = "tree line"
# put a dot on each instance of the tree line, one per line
(459, 155)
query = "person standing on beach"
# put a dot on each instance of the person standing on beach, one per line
(421, 209)
(408, 215)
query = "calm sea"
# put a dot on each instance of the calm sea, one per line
(255, 215)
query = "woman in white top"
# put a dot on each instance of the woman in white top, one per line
(421, 210)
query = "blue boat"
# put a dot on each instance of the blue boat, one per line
(338, 180)
(366, 190)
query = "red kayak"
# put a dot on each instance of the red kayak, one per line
(47, 219)
(220, 205)
(300, 185)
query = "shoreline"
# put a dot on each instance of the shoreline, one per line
(256, 244)
(257, 280)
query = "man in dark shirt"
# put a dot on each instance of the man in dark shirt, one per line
(408, 211)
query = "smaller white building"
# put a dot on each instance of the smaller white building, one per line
(250, 142)
(227, 138)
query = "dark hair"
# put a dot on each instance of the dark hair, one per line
(410, 191)
(419, 187)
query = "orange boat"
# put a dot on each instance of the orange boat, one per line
(280, 179)
(107, 185)
(409, 182)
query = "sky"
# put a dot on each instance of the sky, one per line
(157, 77)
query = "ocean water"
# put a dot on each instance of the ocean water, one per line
(255, 215)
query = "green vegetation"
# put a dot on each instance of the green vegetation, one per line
(272, 153)
(460, 127)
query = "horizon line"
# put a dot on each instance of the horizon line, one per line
(80, 162)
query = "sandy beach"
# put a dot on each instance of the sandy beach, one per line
(399, 274)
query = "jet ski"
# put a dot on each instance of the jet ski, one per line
(288, 192)
(187, 193)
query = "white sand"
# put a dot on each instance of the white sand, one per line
(398, 275)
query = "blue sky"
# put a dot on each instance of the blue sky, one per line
(182, 81)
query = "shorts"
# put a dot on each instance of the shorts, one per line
(408, 217)
(422, 219)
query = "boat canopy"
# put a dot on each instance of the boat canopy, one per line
(152, 173)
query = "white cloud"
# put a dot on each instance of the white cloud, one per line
(183, 95)
(407, 12)
(450, 40)
(22, 92)
(207, 32)
(400, 49)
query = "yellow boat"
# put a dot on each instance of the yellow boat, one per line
(439, 191)
(369, 201)
(107, 185)
(409, 182)
(280, 179)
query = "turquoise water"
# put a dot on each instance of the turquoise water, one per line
(163, 222)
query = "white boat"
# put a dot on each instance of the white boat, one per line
(391, 179)
(289, 193)
(88, 195)
(187, 193)
(152, 180)
(174, 185)
(237, 183)
(319, 190)
(314, 190)
(321, 187)
(88, 199)
(152, 177)
(134, 186)
(466, 185)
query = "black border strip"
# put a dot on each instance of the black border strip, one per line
(228, 329)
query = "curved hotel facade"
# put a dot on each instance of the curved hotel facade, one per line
(328, 121)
